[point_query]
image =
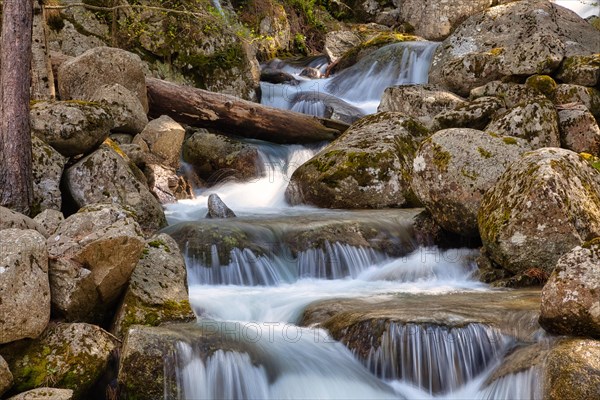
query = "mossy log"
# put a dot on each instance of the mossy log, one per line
(232, 115)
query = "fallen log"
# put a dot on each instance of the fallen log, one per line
(231, 115)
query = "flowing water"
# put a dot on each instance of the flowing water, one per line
(256, 293)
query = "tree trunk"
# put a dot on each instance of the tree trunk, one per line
(42, 77)
(16, 187)
(234, 116)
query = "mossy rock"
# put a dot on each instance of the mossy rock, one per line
(580, 70)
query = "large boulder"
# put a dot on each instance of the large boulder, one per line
(68, 356)
(369, 166)
(519, 38)
(71, 127)
(572, 370)
(127, 111)
(513, 94)
(47, 169)
(157, 290)
(580, 70)
(6, 377)
(421, 102)
(12, 219)
(475, 114)
(92, 255)
(79, 78)
(588, 96)
(570, 300)
(337, 43)
(163, 137)
(24, 287)
(452, 170)
(579, 130)
(107, 175)
(545, 204)
(45, 393)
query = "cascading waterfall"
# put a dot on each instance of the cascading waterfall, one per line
(336, 261)
(522, 385)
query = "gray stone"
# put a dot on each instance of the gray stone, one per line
(164, 138)
(475, 114)
(6, 378)
(166, 185)
(217, 208)
(579, 130)
(70, 42)
(125, 108)
(47, 169)
(580, 70)
(12, 219)
(512, 94)
(24, 288)
(589, 97)
(339, 42)
(45, 394)
(50, 220)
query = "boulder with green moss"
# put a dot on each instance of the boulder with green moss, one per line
(92, 254)
(69, 356)
(421, 102)
(588, 96)
(454, 167)
(535, 121)
(512, 94)
(71, 127)
(545, 204)
(483, 48)
(475, 114)
(47, 169)
(125, 108)
(24, 287)
(157, 290)
(369, 166)
(107, 175)
(580, 70)
(570, 300)
(572, 370)
(579, 130)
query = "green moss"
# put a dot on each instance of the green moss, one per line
(441, 158)
(509, 140)
(542, 83)
(484, 153)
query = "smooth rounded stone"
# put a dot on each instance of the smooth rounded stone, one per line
(519, 38)
(452, 170)
(589, 97)
(421, 102)
(573, 370)
(71, 127)
(543, 84)
(92, 253)
(80, 77)
(369, 166)
(6, 377)
(535, 121)
(545, 204)
(157, 290)
(521, 359)
(106, 176)
(164, 138)
(339, 42)
(166, 185)
(45, 394)
(67, 355)
(50, 220)
(570, 301)
(217, 208)
(580, 70)
(512, 94)
(47, 169)
(217, 157)
(125, 107)
(277, 76)
(24, 287)
(12, 219)
(579, 130)
(475, 114)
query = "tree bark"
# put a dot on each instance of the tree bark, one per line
(42, 77)
(234, 116)
(16, 182)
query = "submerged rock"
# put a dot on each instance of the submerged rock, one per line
(217, 208)
(277, 76)
(452, 170)
(570, 300)
(24, 286)
(332, 107)
(369, 166)
(541, 207)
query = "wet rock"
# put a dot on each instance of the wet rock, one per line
(421, 102)
(573, 370)
(452, 170)
(312, 73)
(157, 290)
(217, 157)
(277, 76)
(24, 288)
(107, 176)
(47, 169)
(6, 378)
(12, 219)
(580, 70)
(545, 204)
(339, 42)
(80, 77)
(521, 359)
(92, 253)
(45, 394)
(536, 121)
(164, 138)
(570, 301)
(217, 208)
(579, 130)
(589, 97)
(475, 114)
(70, 356)
(50, 220)
(484, 48)
(71, 127)
(367, 167)
(335, 108)
(127, 111)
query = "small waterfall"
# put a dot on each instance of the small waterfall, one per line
(524, 385)
(436, 358)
